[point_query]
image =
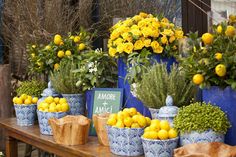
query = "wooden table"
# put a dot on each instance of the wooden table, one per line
(32, 136)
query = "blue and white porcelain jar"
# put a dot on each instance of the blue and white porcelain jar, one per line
(25, 114)
(169, 111)
(76, 103)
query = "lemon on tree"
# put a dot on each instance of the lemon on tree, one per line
(60, 54)
(218, 56)
(56, 66)
(207, 38)
(198, 79)
(219, 29)
(81, 46)
(220, 70)
(57, 39)
(68, 53)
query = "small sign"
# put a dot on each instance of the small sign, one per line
(104, 100)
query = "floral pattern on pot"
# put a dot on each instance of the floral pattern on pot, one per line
(43, 118)
(76, 103)
(25, 114)
(125, 141)
(159, 148)
(195, 137)
(154, 113)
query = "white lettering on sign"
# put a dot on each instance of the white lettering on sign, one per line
(103, 96)
(103, 109)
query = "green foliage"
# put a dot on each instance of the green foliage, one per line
(157, 83)
(32, 87)
(201, 117)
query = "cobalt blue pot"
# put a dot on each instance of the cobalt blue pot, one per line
(226, 100)
(129, 99)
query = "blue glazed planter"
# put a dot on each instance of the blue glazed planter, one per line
(195, 137)
(25, 114)
(125, 141)
(159, 148)
(129, 99)
(154, 113)
(226, 100)
(76, 103)
(43, 118)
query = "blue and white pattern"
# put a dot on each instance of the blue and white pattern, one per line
(125, 141)
(43, 118)
(154, 113)
(76, 103)
(195, 137)
(25, 114)
(159, 148)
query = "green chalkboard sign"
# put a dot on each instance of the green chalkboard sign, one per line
(104, 100)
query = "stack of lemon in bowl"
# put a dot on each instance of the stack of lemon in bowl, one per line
(125, 129)
(51, 108)
(159, 139)
(25, 107)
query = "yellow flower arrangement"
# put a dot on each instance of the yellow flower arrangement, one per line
(157, 35)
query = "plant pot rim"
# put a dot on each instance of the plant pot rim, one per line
(24, 105)
(203, 132)
(51, 112)
(110, 127)
(80, 94)
(156, 140)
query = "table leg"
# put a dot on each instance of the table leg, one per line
(11, 147)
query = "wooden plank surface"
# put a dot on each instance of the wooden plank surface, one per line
(31, 135)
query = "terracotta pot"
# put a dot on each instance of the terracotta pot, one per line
(70, 130)
(100, 122)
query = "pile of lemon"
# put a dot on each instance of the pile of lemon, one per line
(25, 99)
(159, 130)
(51, 104)
(128, 118)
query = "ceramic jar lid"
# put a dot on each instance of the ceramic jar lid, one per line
(169, 110)
(50, 91)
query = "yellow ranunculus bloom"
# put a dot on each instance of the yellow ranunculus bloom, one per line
(167, 32)
(155, 45)
(164, 40)
(147, 32)
(136, 32)
(230, 31)
(165, 20)
(179, 34)
(137, 18)
(134, 27)
(112, 51)
(118, 41)
(142, 24)
(159, 49)
(126, 36)
(147, 42)
(142, 14)
(155, 33)
(128, 22)
(172, 39)
(120, 48)
(156, 24)
(138, 45)
(114, 35)
(128, 47)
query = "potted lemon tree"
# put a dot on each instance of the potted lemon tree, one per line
(211, 65)
(137, 41)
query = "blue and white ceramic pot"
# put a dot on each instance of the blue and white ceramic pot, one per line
(43, 118)
(196, 137)
(125, 141)
(25, 114)
(154, 113)
(159, 148)
(76, 103)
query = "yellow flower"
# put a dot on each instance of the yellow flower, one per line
(136, 32)
(120, 48)
(77, 39)
(167, 32)
(128, 22)
(155, 45)
(118, 41)
(147, 31)
(147, 42)
(155, 33)
(164, 40)
(137, 18)
(142, 14)
(142, 24)
(134, 27)
(179, 34)
(138, 45)
(126, 36)
(114, 35)
(165, 20)
(112, 52)
(156, 24)
(172, 39)
(159, 49)
(230, 31)
(128, 47)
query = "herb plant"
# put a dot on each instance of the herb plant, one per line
(201, 117)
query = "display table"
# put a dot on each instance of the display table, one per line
(32, 136)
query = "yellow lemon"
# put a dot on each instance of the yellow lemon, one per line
(29, 97)
(58, 108)
(120, 115)
(48, 47)
(56, 66)
(126, 110)
(14, 100)
(138, 113)
(81, 46)
(135, 118)
(163, 134)
(156, 122)
(53, 104)
(132, 111)
(164, 125)
(68, 53)
(198, 79)
(56, 100)
(218, 56)
(135, 125)
(119, 124)
(60, 54)
(219, 29)
(32, 55)
(57, 39)
(147, 129)
(19, 101)
(148, 120)
(207, 38)
(45, 110)
(76, 39)
(62, 100)
(44, 105)
(49, 100)
(72, 37)
(113, 115)
(220, 70)
(154, 127)
(64, 107)
(52, 109)
(125, 114)
(128, 121)
(150, 135)
(34, 100)
(27, 101)
(230, 31)
(142, 121)
(23, 96)
(172, 133)
(111, 121)
(61, 43)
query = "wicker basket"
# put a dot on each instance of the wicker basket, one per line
(70, 130)
(99, 121)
